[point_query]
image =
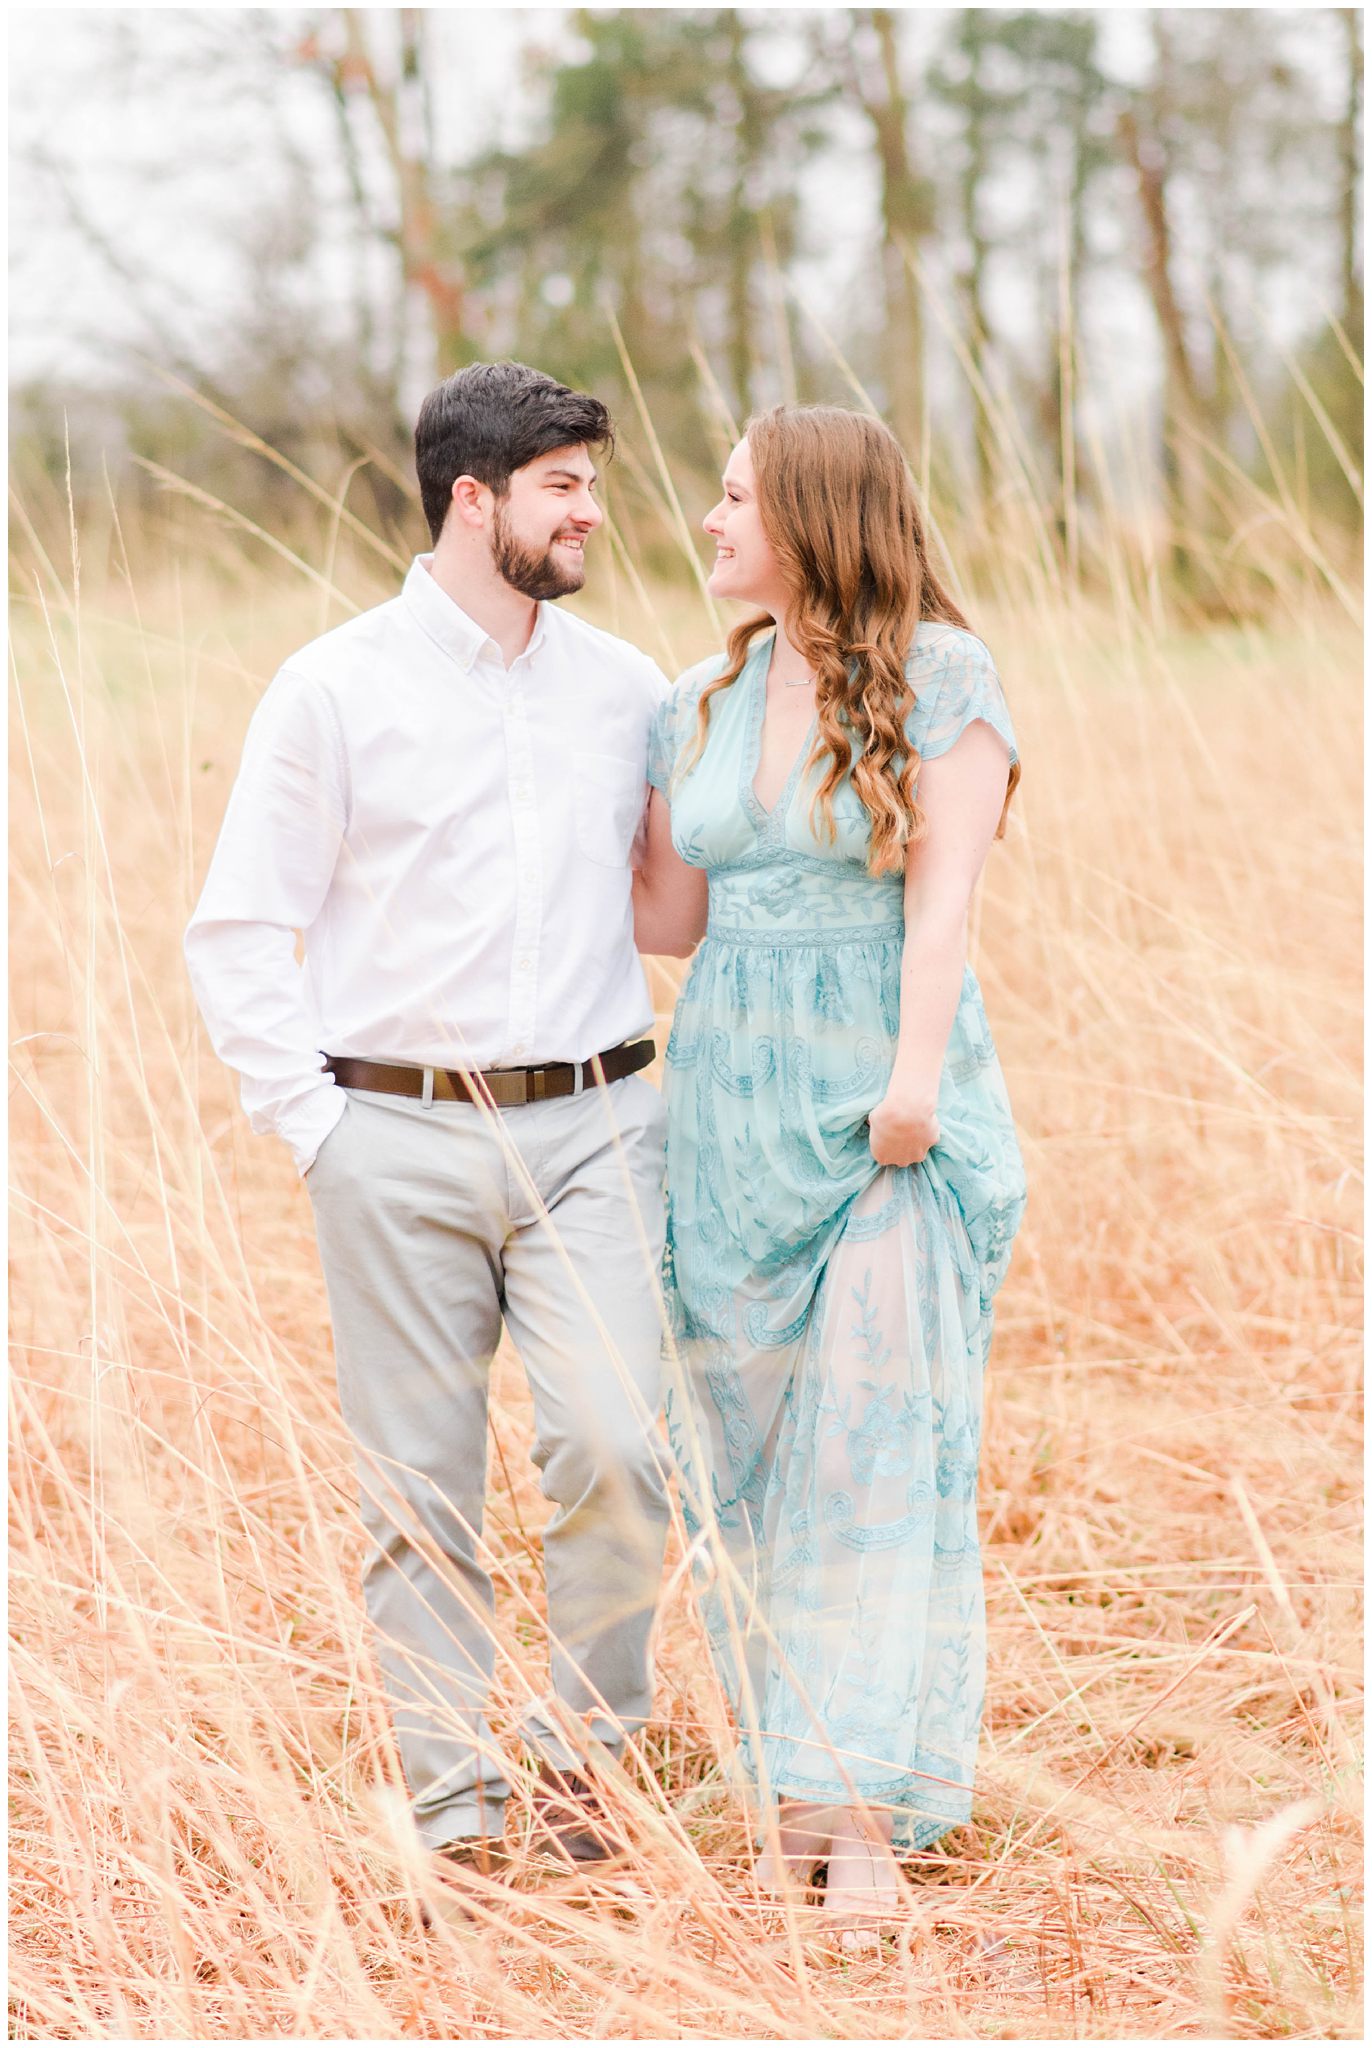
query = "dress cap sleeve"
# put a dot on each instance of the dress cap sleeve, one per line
(661, 746)
(674, 721)
(955, 684)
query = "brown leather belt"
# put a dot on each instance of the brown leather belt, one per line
(498, 1087)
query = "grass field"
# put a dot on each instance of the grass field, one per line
(208, 1838)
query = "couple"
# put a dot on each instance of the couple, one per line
(445, 796)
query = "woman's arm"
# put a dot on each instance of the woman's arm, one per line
(670, 896)
(961, 795)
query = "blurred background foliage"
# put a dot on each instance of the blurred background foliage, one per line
(967, 218)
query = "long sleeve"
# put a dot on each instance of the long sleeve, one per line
(268, 878)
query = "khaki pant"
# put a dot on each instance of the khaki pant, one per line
(434, 1223)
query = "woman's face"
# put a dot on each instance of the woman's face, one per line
(745, 567)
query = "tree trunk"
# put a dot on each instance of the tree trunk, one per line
(974, 283)
(1349, 179)
(978, 333)
(904, 224)
(427, 268)
(741, 243)
(1060, 408)
(1183, 411)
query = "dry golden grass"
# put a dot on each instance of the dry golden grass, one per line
(209, 1840)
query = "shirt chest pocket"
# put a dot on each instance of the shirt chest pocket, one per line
(608, 793)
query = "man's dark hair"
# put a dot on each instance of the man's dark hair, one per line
(491, 419)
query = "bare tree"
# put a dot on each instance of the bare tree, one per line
(393, 89)
(907, 210)
(1142, 131)
(1350, 169)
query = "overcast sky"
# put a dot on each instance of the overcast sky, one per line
(152, 148)
(142, 143)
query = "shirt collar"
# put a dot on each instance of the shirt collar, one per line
(449, 627)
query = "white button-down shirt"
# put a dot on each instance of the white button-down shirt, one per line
(452, 838)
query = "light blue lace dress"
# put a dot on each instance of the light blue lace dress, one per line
(831, 1317)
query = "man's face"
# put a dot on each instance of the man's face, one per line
(539, 529)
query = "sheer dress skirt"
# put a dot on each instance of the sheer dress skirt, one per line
(831, 1320)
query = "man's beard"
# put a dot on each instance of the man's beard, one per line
(524, 569)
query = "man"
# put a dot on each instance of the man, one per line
(442, 797)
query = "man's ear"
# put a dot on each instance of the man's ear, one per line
(471, 501)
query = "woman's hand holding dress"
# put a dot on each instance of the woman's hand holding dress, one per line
(903, 1128)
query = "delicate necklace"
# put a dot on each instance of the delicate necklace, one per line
(796, 682)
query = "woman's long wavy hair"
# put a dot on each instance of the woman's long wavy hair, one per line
(838, 506)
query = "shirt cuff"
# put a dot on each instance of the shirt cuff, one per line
(310, 1122)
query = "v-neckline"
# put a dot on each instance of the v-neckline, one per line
(752, 760)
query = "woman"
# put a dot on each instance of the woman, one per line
(843, 1177)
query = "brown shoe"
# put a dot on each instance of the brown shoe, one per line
(569, 1819)
(481, 1856)
(486, 1855)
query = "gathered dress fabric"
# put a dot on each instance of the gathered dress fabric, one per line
(830, 1317)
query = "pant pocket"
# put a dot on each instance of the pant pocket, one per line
(332, 1157)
